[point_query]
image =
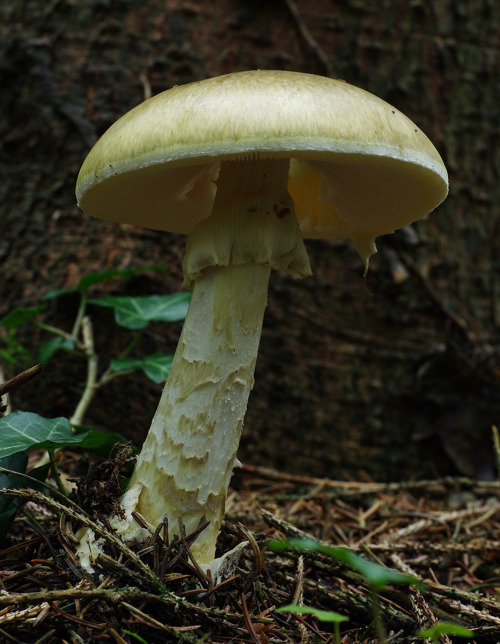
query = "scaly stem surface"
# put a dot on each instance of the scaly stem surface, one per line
(187, 460)
(186, 463)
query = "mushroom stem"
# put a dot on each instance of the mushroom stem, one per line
(185, 465)
(188, 457)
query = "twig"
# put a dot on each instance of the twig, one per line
(359, 488)
(248, 622)
(421, 610)
(130, 595)
(178, 633)
(307, 36)
(284, 526)
(469, 598)
(485, 510)
(496, 445)
(97, 528)
(466, 323)
(21, 378)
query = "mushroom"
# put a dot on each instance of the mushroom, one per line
(247, 165)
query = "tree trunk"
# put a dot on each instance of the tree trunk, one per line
(396, 375)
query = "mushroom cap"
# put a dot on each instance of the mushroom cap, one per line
(359, 168)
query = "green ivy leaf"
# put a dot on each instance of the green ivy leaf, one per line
(322, 615)
(376, 576)
(18, 316)
(10, 505)
(445, 628)
(47, 349)
(24, 430)
(95, 278)
(59, 292)
(156, 366)
(137, 312)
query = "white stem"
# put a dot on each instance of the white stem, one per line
(186, 463)
(188, 457)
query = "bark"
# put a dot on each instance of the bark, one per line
(396, 375)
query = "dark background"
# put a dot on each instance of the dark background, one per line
(396, 375)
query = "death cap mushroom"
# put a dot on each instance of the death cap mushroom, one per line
(247, 165)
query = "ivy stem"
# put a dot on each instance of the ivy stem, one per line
(79, 316)
(92, 363)
(109, 374)
(54, 330)
(132, 344)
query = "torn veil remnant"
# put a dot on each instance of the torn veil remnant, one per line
(247, 165)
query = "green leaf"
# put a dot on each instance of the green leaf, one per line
(50, 347)
(16, 462)
(95, 278)
(11, 350)
(10, 505)
(322, 615)
(18, 316)
(376, 576)
(445, 628)
(137, 312)
(156, 366)
(99, 441)
(59, 292)
(24, 430)
(135, 636)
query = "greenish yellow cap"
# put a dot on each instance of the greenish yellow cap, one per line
(358, 167)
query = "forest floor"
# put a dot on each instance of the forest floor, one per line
(445, 533)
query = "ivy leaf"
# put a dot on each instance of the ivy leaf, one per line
(137, 312)
(156, 366)
(375, 575)
(10, 505)
(445, 628)
(47, 349)
(18, 316)
(24, 430)
(322, 615)
(95, 278)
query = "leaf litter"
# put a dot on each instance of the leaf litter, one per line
(445, 533)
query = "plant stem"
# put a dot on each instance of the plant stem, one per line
(32, 520)
(377, 619)
(54, 330)
(186, 463)
(132, 344)
(92, 364)
(496, 445)
(55, 472)
(75, 332)
(108, 374)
